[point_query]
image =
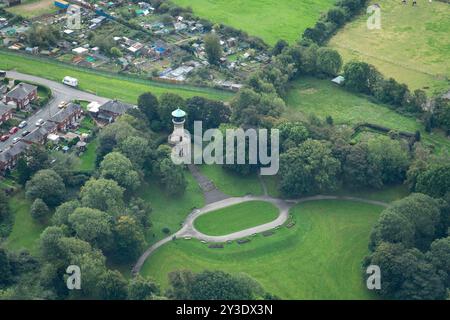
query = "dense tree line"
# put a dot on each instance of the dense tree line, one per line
(411, 245)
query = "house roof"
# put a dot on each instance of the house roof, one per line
(12, 152)
(116, 107)
(21, 91)
(40, 133)
(68, 111)
(4, 108)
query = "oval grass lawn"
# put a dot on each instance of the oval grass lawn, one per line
(320, 257)
(236, 218)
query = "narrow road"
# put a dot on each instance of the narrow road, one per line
(188, 230)
(60, 93)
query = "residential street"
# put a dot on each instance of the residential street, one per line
(60, 92)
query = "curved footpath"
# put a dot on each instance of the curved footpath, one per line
(188, 230)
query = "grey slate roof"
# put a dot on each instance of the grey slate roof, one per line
(15, 150)
(4, 108)
(70, 109)
(21, 91)
(40, 133)
(115, 106)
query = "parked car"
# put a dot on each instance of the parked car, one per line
(15, 140)
(23, 124)
(40, 122)
(62, 104)
(4, 137)
(2, 74)
(13, 130)
(25, 133)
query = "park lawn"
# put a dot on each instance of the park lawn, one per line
(236, 218)
(25, 232)
(169, 211)
(267, 19)
(319, 258)
(87, 159)
(232, 184)
(105, 85)
(323, 98)
(412, 45)
(33, 8)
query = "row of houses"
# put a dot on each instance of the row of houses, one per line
(62, 121)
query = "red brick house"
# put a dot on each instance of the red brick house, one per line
(22, 94)
(110, 110)
(39, 136)
(67, 117)
(9, 157)
(6, 112)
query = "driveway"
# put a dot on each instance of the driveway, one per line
(60, 93)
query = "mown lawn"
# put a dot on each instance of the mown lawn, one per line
(87, 159)
(109, 86)
(169, 211)
(413, 45)
(268, 19)
(323, 98)
(25, 232)
(232, 184)
(236, 218)
(319, 258)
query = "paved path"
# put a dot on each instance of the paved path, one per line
(60, 93)
(188, 230)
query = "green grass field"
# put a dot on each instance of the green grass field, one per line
(87, 160)
(269, 20)
(230, 183)
(319, 258)
(168, 211)
(33, 8)
(323, 98)
(413, 45)
(114, 87)
(25, 232)
(236, 218)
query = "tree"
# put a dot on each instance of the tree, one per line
(307, 169)
(211, 113)
(23, 171)
(149, 105)
(49, 243)
(336, 15)
(102, 194)
(137, 149)
(5, 269)
(439, 256)
(128, 239)
(61, 216)
(292, 134)
(210, 285)
(113, 286)
(115, 52)
(406, 274)
(435, 180)
(413, 221)
(93, 226)
(169, 102)
(213, 48)
(48, 186)
(358, 171)
(279, 47)
(172, 177)
(4, 207)
(390, 157)
(142, 289)
(117, 167)
(360, 76)
(329, 61)
(39, 210)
